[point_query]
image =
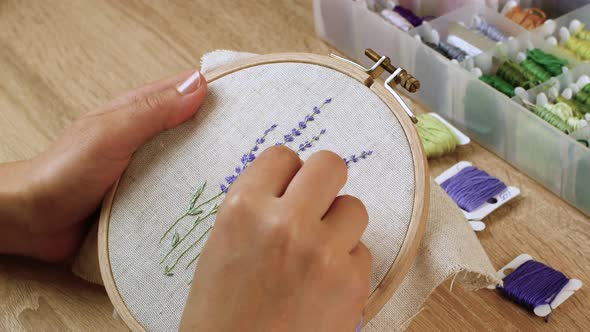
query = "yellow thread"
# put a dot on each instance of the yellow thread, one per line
(436, 138)
(580, 48)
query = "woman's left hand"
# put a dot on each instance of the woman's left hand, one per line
(44, 200)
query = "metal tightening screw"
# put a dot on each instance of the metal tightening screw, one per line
(404, 79)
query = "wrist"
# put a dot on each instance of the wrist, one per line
(16, 201)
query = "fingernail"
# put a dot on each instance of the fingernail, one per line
(190, 85)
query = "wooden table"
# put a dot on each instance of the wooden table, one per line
(59, 59)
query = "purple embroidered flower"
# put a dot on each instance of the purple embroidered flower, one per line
(354, 158)
(290, 136)
(247, 158)
(309, 143)
(273, 127)
(230, 179)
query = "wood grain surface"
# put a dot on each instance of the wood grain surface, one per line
(59, 59)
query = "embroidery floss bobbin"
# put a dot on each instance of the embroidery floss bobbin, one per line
(499, 84)
(512, 73)
(530, 18)
(475, 205)
(548, 61)
(579, 48)
(551, 118)
(465, 46)
(562, 107)
(438, 136)
(452, 52)
(576, 107)
(408, 15)
(396, 19)
(536, 286)
(488, 30)
(472, 187)
(534, 69)
(448, 50)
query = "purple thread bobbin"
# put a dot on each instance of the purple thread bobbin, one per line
(472, 187)
(408, 15)
(533, 284)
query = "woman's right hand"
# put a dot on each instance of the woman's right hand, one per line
(285, 253)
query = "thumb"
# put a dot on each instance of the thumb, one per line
(129, 126)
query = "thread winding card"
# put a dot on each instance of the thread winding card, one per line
(155, 221)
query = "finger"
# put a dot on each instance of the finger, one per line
(135, 95)
(123, 130)
(345, 222)
(271, 172)
(362, 260)
(316, 185)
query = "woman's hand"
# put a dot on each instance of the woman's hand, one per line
(284, 254)
(44, 200)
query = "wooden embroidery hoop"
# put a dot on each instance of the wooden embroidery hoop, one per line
(409, 248)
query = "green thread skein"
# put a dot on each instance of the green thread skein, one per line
(552, 119)
(536, 70)
(582, 97)
(548, 61)
(578, 109)
(499, 84)
(563, 111)
(512, 73)
(437, 139)
(566, 114)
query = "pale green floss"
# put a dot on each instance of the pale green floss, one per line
(437, 139)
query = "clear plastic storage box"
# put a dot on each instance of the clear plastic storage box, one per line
(499, 123)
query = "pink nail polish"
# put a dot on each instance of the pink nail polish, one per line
(190, 85)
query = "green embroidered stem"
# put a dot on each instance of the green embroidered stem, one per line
(168, 269)
(192, 261)
(209, 200)
(190, 209)
(197, 222)
(171, 227)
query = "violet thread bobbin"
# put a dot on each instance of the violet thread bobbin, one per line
(477, 193)
(472, 187)
(535, 286)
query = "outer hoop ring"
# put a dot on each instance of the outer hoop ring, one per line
(397, 271)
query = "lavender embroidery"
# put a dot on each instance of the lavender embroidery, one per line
(295, 132)
(354, 158)
(309, 143)
(246, 159)
(210, 206)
